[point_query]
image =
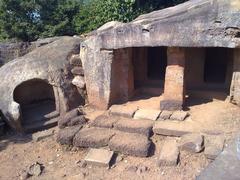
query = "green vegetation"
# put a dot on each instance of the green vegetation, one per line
(29, 20)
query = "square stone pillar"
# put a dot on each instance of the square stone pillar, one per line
(174, 88)
(235, 86)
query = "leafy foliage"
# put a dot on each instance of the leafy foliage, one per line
(28, 20)
(98, 12)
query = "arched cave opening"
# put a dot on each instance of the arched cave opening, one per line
(37, 102)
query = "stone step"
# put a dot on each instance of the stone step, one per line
(65, 136)
(169, 128)
(104, 121)
(33, 119)
(130, 144)
(93, 137)
(40, 125)
(143, 127)
(150, 114)
(123, 111)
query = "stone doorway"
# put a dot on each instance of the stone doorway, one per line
(37, 102)
(149, 66)
(208, 74)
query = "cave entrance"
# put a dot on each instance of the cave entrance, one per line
(216, 63)
(37, 102)
(149, 64)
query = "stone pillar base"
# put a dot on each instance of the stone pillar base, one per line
(171, 105)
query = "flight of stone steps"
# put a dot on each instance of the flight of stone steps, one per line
(125, 130)
(120, 134)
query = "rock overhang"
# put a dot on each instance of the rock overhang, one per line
(196, 23)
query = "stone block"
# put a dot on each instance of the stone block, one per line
(104, 121)
(124, 111)
(79, 82)
(134, 126)
(213, 146)
(99, 157)
(130, 144)
(191, 142)
(93, 137)
(179, 115)
(79, 120)
(169, 154)
(167, 128)
(63, 121)
(171, 105)
(165, 115)
(77, 71)
(149, 114)
(75, 60)
(42, 135)
(65, 136)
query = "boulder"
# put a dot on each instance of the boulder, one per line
(44, 66)
(214, 145)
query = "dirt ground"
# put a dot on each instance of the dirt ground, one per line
(17, 152)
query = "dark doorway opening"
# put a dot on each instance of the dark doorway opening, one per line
(157, 63)
(37, 102)
(216, 62)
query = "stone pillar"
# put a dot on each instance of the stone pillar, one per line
(235, 86)
(122, 80)
(174, 88)
(140, 63)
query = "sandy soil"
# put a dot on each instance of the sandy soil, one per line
(17, 152)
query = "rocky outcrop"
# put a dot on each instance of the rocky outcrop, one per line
(50, 64)
(13, 50)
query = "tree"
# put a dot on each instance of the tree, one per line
(57, 16)
(28, 20)
(97, 12)
(17, 19)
